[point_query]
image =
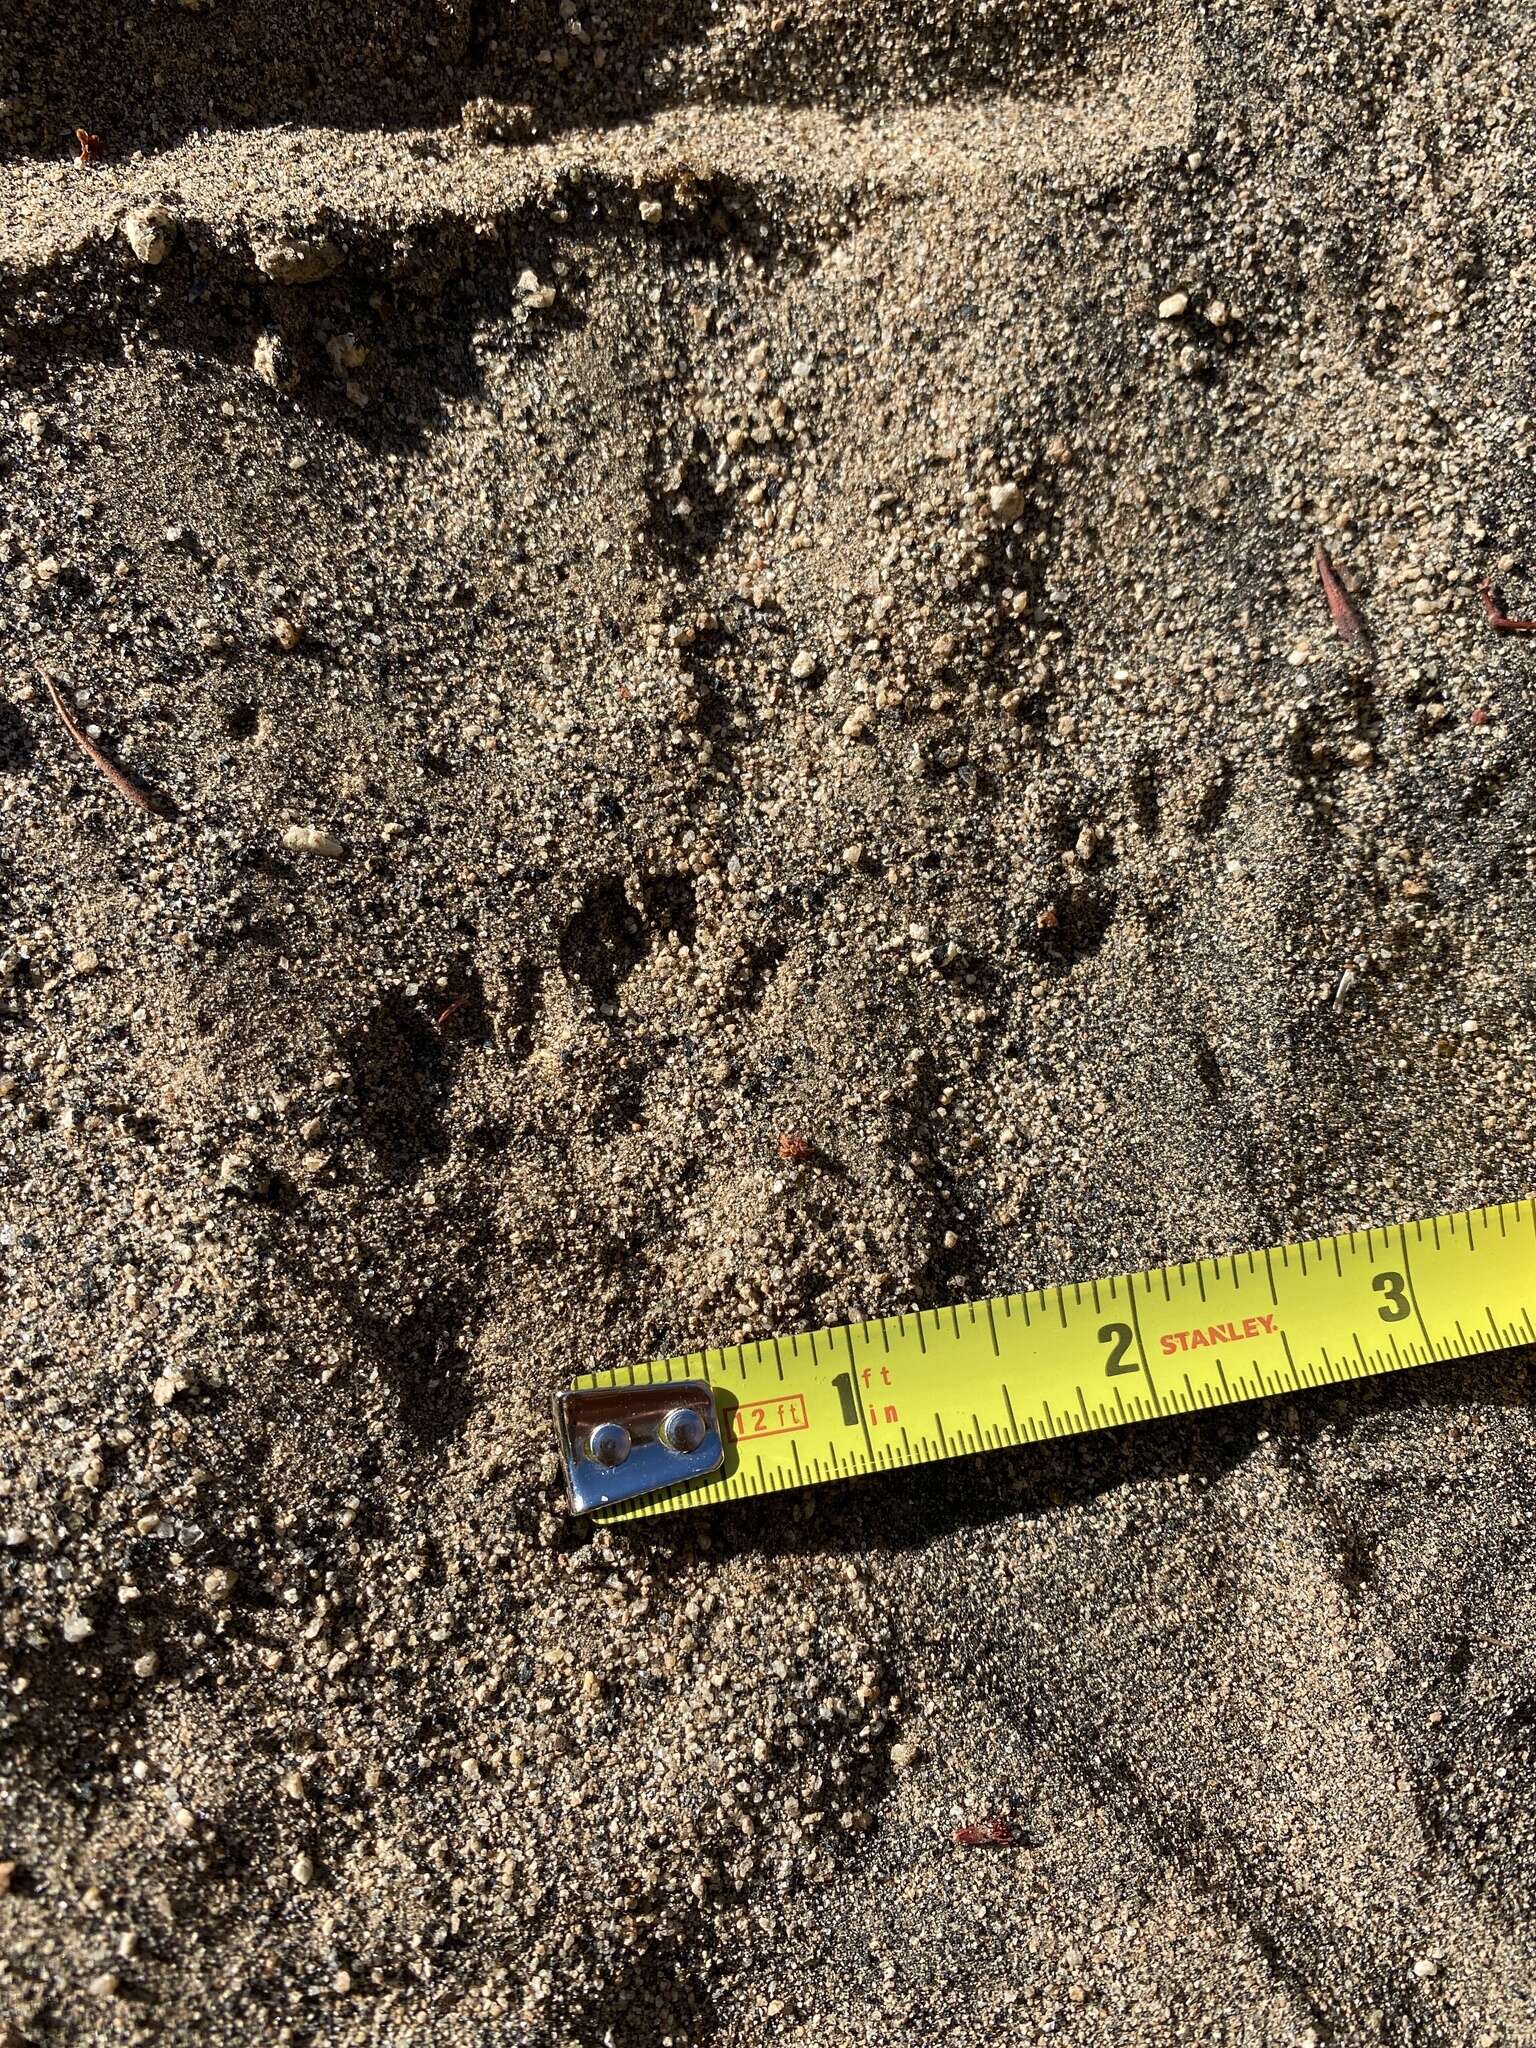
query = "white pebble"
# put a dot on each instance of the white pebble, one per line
(346, 352)
(802, 666)
(150, 232)
(1174, 306)
(1007, 501)
(273, 361)
(311, 839)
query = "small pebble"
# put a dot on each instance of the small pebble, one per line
(311, 839)
(346, 352)
(150, 232)
(303, 1868)
(241, 1173)
(1174, 306)
(273, 361)
(1006, 501)
(77, 1626)
(802, 666)
(304, 261)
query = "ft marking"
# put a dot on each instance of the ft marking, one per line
(769, 1418)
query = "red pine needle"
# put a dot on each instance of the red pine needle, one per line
(1498, 618)
(1341, 607)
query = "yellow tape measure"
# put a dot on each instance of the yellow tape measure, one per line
(1057, 1361)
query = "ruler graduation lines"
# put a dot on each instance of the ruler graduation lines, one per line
(1059, 1361)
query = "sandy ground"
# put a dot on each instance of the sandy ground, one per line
(671, 583)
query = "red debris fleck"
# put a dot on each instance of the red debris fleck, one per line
(1481, 715)
(996, 1834)
(89, 145)
(1498, 618)
(1341, 608)
(447, 1016)
(797, 1150)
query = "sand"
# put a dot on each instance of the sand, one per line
(676, 577)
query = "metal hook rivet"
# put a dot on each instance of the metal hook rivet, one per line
(682, 1429)
(608, 1444)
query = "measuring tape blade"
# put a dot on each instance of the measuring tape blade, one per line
(1095, 1354)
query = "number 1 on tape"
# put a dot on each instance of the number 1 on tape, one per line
(1056, 1361)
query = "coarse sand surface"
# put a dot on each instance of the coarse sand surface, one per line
(672, 576)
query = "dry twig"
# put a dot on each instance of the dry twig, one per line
(110, 769)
